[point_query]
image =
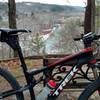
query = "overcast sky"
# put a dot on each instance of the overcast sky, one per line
(61, 2)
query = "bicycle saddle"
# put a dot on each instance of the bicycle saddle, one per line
(13, 31)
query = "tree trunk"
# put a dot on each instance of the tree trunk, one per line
(89, 22)
(12, 18)
(12, 13)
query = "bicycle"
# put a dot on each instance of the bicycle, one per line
(92, 91)
(10, 36)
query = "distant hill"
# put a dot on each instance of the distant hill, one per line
(38, 7)
(30, 7)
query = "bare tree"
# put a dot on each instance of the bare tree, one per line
(12, 17)
(89, 22)
(38, 44)
(12, 13)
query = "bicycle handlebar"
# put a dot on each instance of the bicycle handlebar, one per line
(92, 36)
(21, 30)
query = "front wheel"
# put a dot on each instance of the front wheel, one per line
(91, 92)
(8, 83)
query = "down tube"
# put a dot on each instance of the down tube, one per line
(66, 79)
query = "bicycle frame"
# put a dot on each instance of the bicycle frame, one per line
(83, 57)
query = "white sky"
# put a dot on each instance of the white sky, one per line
(61, 2)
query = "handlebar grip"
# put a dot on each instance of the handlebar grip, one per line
(77, 39)
(96, 37)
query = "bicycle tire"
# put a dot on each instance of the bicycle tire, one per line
(6, 75)
(90, 90)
